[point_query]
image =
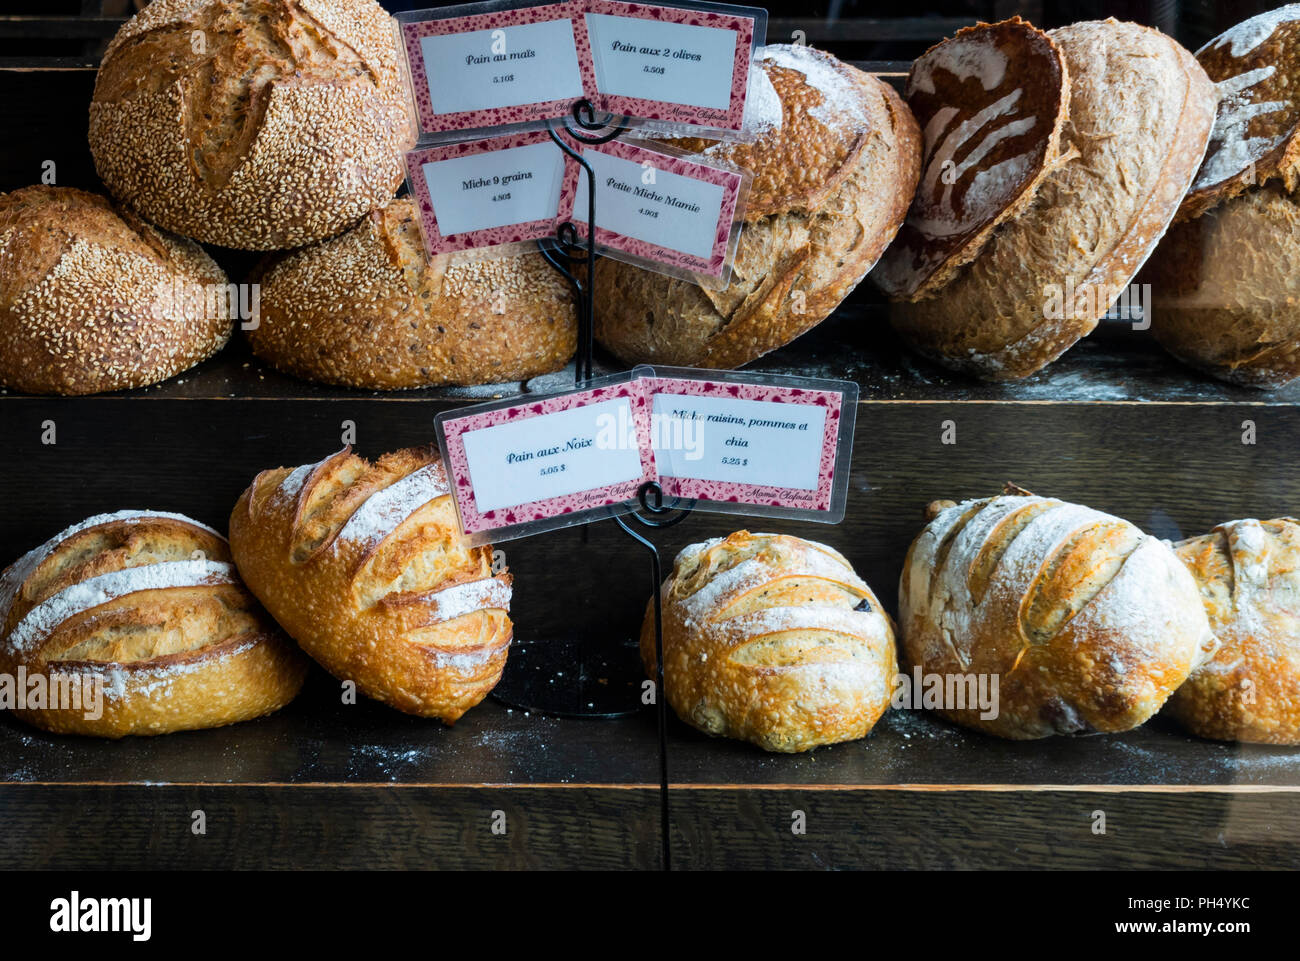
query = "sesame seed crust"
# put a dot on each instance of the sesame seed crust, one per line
(369, 309)
(93, 299)
(257, 124)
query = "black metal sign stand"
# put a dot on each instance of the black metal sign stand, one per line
(574, 677)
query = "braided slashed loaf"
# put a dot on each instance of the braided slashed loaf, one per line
(1248, 572)
(1088, 623)
(365, 566)
(149, 602)
(774, 640)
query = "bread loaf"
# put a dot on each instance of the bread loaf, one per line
(147, 605)
(1088, 624)
(369, 309)
(365, 566)
(1139, 117)
(1224, 283)
(92, 298)
(835, 162)
(258, 124)
(774, 640)
(991, 102)
(1248, 572)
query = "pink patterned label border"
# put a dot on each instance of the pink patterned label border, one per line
(748, 494)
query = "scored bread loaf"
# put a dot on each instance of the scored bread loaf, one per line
(991, 102)
(1225, 282)
(147, 605)
(92, 298)
(774, 640)
(1248, 572)
(370, 309)
(364, 565)
(835, 162)
(1088, 624)
(258, 124)
(1139, 116)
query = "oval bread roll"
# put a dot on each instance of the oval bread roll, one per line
(92, 298)
(1140, 114)
(835, 162)
(1248, 572)
(365, 566)
(258, 124)
(774, 640)
(369, 309)
(147, 605)
(1088, 623)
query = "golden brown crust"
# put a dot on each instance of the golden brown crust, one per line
(991, 102)
(1256, 67)
(773, 640)
(147, 607)
(1225, 286)
(259, 124)
(369, 309)
(365, 566)
(1248, 572)
(93, 299)
(827, 226)
(1141, 110)
(1087, 623)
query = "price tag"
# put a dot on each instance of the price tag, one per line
(749, 444)
(662, 211)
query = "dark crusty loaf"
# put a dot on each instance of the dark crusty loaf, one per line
(365, 566)
(1225, 282)
(1088, 624)
(369, 309)
(835, 162)
(147, 605)
(1140, 115)
(1248, 572)
(258, 124)
(991, 102)
(92, 298)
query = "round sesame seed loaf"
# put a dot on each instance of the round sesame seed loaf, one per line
(257, 124)
(92, 298)
(1140, 114)
(370, 309)
(835, 162)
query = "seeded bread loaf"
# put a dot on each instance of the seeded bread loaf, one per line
(1248, 572)
(1087, 623)
(369, 309)
(365, 566)
(835, 162)
(145, 606)
(1139, 117)
(258, 124)
(92, 298)
(1225, 282)
(774, 640)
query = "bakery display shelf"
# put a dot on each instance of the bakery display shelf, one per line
(324, 784)
(1115, 365)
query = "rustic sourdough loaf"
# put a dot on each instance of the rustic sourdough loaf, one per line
(991, 102)
(92, 298)
(1225, 282)
(147, 604)
(365, 566)
(835, 162)
(258, 124)
(1139, 117)
(1088, 624)
(369, 309)
(1248, 572)
(774, 640)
